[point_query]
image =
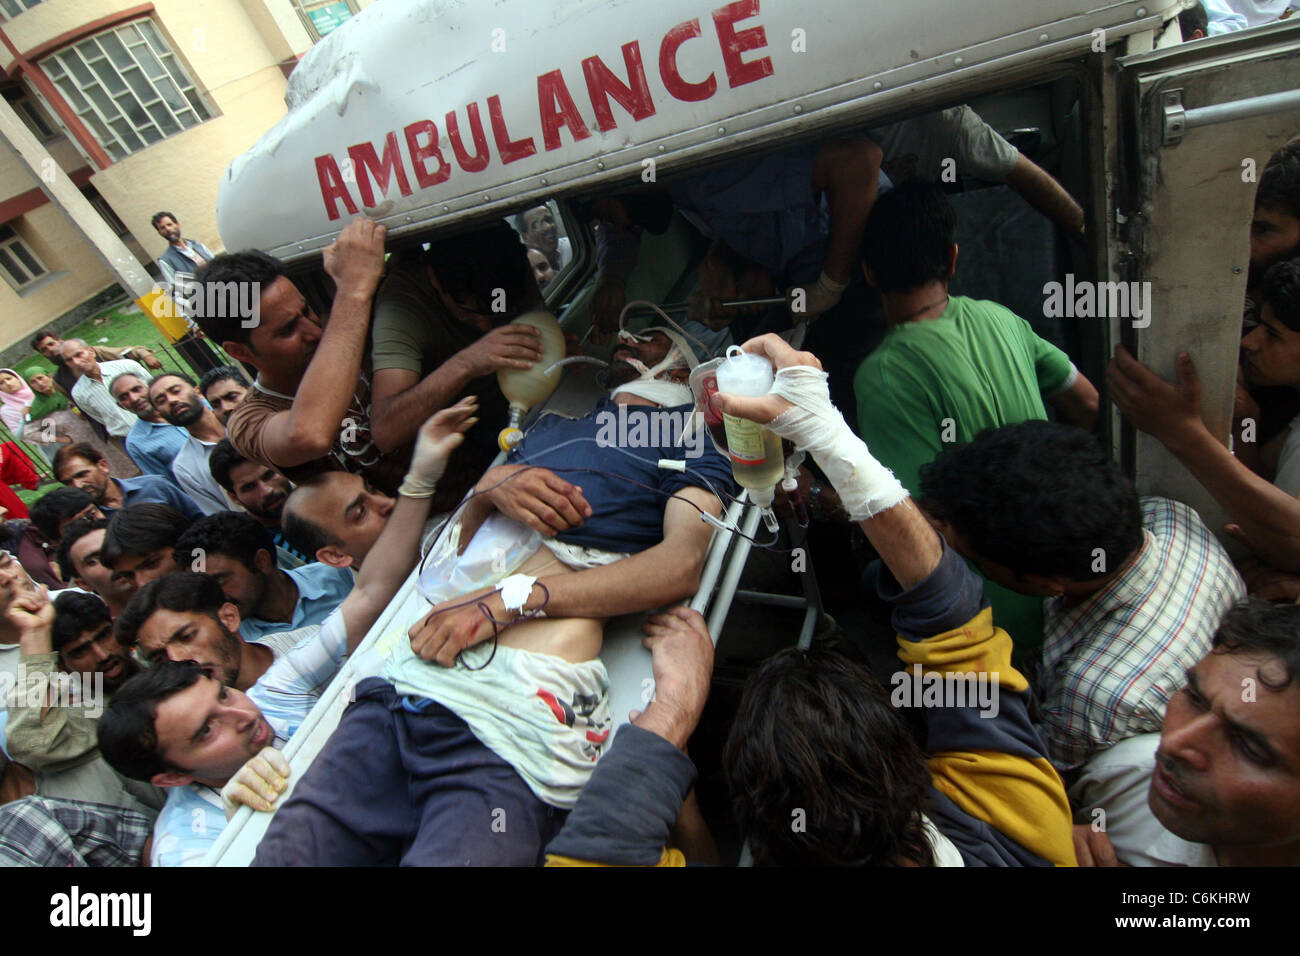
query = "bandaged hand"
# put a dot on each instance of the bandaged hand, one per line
(437, 439)
(799, 408)
(257, 784)
(807, 301)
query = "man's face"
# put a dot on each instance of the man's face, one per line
(287, 333)
(191, 636)
(1274, 236)
(92, 572)
(79, 358)
(243, 587)
(90, 511)
(1271, 352)
(542, 270)
(98, 651)
(168, 228)
(540, 231)
(1228, 768)
(349, 509)
(210, 730)
(132, 571)
(90, 476)
(629, 350)
(176, 400)
(14, 579)
(223, 395)
(261, 491)
(132, 395)
(41, 384)
(50, 347)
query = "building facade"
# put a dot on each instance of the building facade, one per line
(142, 106)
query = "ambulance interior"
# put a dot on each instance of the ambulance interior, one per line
(1008, 251)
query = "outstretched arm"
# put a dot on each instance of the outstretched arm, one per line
(307, 430)
(799, 408)
(398, 547)
(667, 572)
(1267, 519)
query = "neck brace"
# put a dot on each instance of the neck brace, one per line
(649, 386)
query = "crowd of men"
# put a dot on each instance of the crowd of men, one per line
(1070, 652)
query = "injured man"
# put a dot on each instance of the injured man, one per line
(490, 711)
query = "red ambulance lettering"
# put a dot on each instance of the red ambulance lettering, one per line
(558, 109)
(735, 43)
(603, 85)
(510, 150)
(368, 164)
(673, 81)
(479, 161)
(332, 188)
(419, 154)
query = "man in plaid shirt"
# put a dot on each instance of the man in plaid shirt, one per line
(1136, 587)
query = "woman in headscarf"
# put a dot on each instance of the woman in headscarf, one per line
(47, 419)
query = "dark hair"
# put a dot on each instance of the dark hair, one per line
(232, 533)
(220, 374)
(473, 265)
(74, 615)
(42, 334)
(304, 536)
(82, 449)
(1192, 19)
(1038, 497)
(181, 375)
(221, 460)
(1281, 291)
(909, 237)
(71, 535)
(127, 737)
(1258, 625)
(160, 216)
(178, 591)
(141, 530)
(58, 505)
(249, 266)
(815, 732)
(1279, 183)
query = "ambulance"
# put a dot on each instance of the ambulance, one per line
(434, 116)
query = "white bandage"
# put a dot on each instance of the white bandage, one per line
(515, 591)
(866, 487)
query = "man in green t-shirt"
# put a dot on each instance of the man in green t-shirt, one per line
(950, 367)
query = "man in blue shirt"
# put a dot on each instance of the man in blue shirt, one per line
(239, 552)
(152, 443)
(178, 727)
(83, 466)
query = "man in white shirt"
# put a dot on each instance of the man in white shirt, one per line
(1229, 15)
(1217, 785)
(176, 398)
(90, 391)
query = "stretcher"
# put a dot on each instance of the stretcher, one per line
(628, 663)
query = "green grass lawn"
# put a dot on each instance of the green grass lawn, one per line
(118, 327)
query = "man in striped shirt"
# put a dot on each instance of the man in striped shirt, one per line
(1136, 587)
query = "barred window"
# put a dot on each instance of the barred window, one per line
(17, 260)
(128, 87)
(14, 7)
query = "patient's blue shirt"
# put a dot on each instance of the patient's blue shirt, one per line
(620, 442)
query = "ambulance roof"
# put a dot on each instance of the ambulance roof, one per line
(435, 112)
